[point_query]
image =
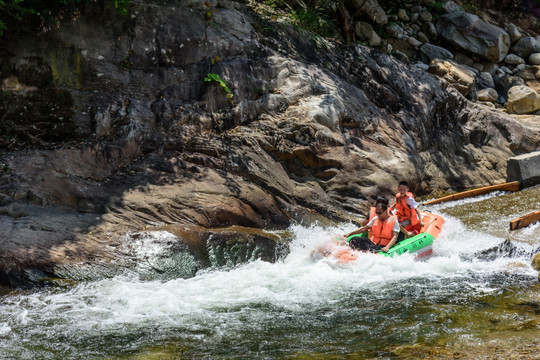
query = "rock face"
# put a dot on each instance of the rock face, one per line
(129, 137)
(525, 169)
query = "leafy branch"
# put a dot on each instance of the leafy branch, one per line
(215, 78)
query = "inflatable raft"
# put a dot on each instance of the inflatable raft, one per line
(420, 245)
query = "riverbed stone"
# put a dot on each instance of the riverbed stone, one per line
(524, 168)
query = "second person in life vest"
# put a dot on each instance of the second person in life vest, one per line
(409, 218)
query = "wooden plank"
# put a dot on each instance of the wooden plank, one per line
(525, 220)
(511, 186)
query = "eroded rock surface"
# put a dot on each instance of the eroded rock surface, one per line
(314, 133)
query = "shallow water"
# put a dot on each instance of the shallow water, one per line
(304, 307)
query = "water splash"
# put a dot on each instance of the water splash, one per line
(261, 303)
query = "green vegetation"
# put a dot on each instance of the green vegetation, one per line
(324, 18)
(315, 20)
(470, 7)
(215, 78)
(16, 15)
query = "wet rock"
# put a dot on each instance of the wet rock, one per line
(504, 249)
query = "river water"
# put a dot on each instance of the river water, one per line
(458, 303)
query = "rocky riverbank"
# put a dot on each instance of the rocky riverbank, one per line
(110, 129)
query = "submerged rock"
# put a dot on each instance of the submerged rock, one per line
(535, 263)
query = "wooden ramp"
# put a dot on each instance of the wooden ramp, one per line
(511, 186)
(525, 220)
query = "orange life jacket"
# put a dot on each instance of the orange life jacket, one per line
(404, 212)
(372, 214)
(383, 231)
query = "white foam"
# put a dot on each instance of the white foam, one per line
(219, 299)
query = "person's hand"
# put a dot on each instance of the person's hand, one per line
(385, 249)
(408, 234)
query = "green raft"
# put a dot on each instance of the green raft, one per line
(420, 245)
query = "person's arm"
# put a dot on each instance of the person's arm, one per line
(414, 205)
(365, 221)
(392, 242)
(419, 217)
(357, 231)
(362, 229)
(407, 233)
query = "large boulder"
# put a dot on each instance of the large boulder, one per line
(522, 100)
(470, 33)
(524, 168)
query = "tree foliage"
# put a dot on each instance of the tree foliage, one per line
(34, 14)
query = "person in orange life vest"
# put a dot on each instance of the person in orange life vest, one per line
(371, 214)
(410, 220)
(384, 232)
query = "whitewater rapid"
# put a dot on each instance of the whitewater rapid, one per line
(219, 303)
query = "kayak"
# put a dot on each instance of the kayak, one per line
(420, 245)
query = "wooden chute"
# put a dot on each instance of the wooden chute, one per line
(511, 186)
(525, 220)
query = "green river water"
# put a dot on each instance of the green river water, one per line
(459, 303)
